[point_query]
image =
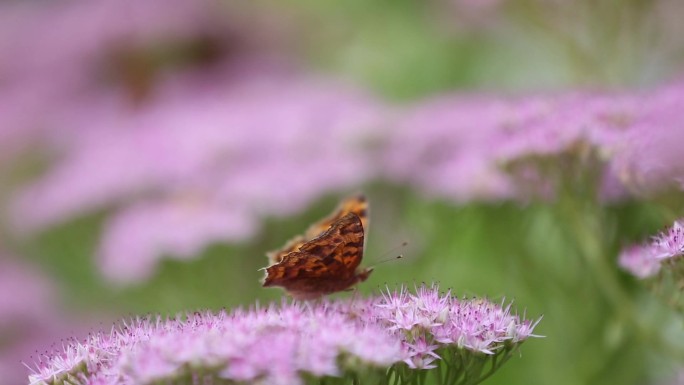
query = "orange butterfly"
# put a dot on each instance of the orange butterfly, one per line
(326, 258)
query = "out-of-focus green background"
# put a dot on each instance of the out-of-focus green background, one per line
(404, 51)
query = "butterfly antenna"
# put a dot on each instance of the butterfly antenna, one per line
(392, 250)
(400, 256)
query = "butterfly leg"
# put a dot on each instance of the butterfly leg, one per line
(353, 298)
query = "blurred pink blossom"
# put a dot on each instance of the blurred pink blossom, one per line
(64, 56)
(241, 134)
(27, 308)
(443, 147)
(640, 261)
(460, 146)
(24, 292)
(259, 147)
(648, 158)
(141, 233)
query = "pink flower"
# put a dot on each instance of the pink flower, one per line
(639, 260)
(434, 306)
(443, 147)
(647, 158)
(278, 344)
(476, 325)
(421, 354)
(137, 236)
(645, 261)
(669, 244)
(477, 147)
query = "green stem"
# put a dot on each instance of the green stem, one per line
(587, 236)
(506, 356)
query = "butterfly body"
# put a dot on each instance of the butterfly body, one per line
(311, 266)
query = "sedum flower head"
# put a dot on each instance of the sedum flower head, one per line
(646, 260)
(670, 244)
(297, 343)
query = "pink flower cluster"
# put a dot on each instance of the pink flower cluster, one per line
(280, 344)
(645, 261)
(461, 147)
(429, 320)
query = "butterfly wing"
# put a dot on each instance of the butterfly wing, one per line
(356, 204)
(345, 237)
(323, 265)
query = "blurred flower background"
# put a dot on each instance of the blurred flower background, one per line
(152, 151)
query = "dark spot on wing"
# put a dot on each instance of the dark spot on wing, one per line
(350, 230)
(357, 244)
(317, 250)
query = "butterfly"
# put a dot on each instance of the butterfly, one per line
(325, 259)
